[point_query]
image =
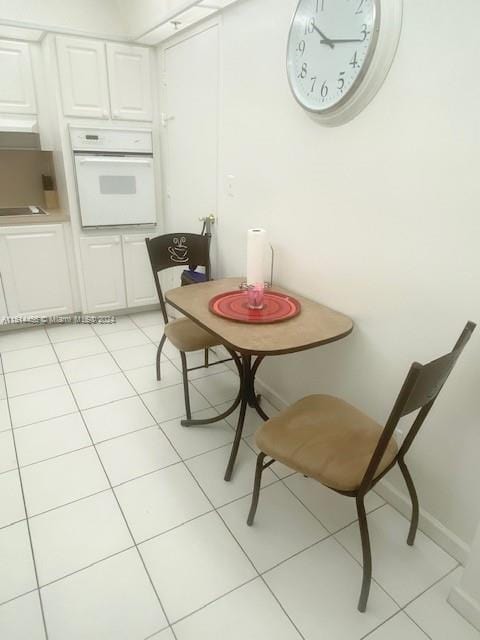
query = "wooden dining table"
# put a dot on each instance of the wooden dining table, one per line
(250, 344)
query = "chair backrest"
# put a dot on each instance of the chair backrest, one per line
(177, 250)
(418, 393)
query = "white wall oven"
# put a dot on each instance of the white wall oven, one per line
(115, 176)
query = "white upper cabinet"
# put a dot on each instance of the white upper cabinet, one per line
(17, 93)
(139, 282)
(83, 77)
(130, 82)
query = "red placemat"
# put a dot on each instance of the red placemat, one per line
(233, 305)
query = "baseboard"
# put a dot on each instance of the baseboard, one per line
(434, 529)
(269, 394)
(465, 605)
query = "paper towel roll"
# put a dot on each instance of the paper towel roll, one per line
(256, 247)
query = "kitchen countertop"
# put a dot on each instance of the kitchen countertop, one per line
(53, 216)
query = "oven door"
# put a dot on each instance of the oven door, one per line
(115, 190)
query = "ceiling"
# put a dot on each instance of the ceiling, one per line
(145, 21)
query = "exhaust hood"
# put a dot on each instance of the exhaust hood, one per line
(19, 133)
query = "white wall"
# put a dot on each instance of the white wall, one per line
(378, 219)
(99, 17)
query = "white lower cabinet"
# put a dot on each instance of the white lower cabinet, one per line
(116, 272)
(34, 271)
(139, 282)
(102, 266)
(3, 303)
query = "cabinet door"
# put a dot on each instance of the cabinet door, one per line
(102, 267)
(3, 303)
(35, 272)
(130, 82)
(83, 77)
(139, 280)
(17, 94)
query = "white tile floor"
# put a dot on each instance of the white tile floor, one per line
(133, 534)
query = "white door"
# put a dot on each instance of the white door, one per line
(83, 77)
(34, 269)
(17, 94)
(130, 80)
(139, 281)
(190, 92)
(102, 268)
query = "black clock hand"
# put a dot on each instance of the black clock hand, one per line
(324, 39)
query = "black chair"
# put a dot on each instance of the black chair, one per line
(177, 250)
(327, 439)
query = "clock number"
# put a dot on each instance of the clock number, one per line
(354, 62)
(301, 47)
(314, 82)
(309, 26)
(324, 90)
(360, 8)
(341, 81)
(365, 33)
(320, 5)
(304, 71)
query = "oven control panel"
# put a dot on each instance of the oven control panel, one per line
(111, 140)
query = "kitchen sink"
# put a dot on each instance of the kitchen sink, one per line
(22, 211)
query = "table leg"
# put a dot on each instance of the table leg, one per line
(230, 410)
(249, 398)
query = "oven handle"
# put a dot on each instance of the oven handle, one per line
(115, 161)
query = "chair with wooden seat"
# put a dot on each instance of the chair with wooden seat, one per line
(327, 439)
(177, 250)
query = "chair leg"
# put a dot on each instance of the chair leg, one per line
(256, 489)
(414, 498)
(206, 359)
(367, 554)
(159, 354)
(185, 385)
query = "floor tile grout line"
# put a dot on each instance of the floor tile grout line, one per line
(382, 624)
(69, 384)
(216, 511)
(51, 343)
(93, 355)
(88, 566)
(115, 486)
(20, 595)
(228, 529)
(27, 523)
(158, 632)
(126, 521)
(65, 504)
(416, 624)
(117, 501)
(224, 595)
(10, 524)
(434, 584)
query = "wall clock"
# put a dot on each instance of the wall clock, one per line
(339, 53)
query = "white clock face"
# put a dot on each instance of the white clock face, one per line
(330, 46)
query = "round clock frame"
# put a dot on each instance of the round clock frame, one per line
(376, 65)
